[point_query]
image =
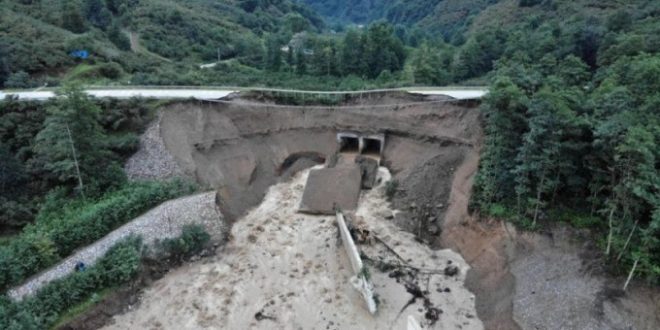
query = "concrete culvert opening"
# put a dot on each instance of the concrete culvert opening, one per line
(299, 159)
(349, 144)
(372, 147)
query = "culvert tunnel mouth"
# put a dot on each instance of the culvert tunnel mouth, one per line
(372, 147)
(349, 144)
(298, 160)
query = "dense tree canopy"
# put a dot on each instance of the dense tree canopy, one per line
(580, 118)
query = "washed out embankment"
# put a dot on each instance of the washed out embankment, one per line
(239, 148)
(242, 146)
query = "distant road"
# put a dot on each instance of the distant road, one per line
(202, 93)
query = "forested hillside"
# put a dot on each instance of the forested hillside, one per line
(133, 37)
(448, 19)
(573, 124)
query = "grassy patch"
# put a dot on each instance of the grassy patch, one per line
(95, 74)
(64, 225)
(577, 219)
(80, 309)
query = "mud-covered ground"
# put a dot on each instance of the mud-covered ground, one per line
(284, 270)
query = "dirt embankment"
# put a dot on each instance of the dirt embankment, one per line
(240, 148)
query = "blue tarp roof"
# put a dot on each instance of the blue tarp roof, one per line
(80, 53)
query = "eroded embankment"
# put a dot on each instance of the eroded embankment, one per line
(549, 280)
(240, 148)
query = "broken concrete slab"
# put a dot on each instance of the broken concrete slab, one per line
(328, 187)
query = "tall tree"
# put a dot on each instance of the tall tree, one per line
(428, 66)
(352, 53)
(273, 54)
(290, 58)
(504, 112)
(97, 13)
(72, 18)
(11, 172)
(71, 147)
(117, 37)
(4, 64)
(301, 61)
(383, 50)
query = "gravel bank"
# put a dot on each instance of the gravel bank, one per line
(152, 160)
(161, 222)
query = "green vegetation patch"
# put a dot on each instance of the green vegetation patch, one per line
(62, 226)
(64, 299)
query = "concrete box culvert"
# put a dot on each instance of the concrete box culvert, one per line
(349, 142)
(372, 145)
(353, 142)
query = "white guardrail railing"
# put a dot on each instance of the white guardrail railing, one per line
(359, 280)
(219, 92)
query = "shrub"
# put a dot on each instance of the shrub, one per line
(64, 226)
(192, 240)
(110, 70)
(391, 188)
(529, 3)
(498, 211)
(119, 265)
(124, 144)
(121, 262)
(41, 311)
(19, 79)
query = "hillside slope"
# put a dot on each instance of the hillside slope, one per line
(36, 37)
(444, 17)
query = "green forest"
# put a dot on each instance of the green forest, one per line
(571, 121)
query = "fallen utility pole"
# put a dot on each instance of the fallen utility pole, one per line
(360, 280)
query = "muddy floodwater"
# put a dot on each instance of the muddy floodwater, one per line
(284, 270)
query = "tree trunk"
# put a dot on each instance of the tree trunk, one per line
(609, 236)
(538, 199)
(75, 162)
(593, 202)
(630, 275)
(627, 241)
(554, 191)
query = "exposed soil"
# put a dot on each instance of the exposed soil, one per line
(521, 280)
(239, 147)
